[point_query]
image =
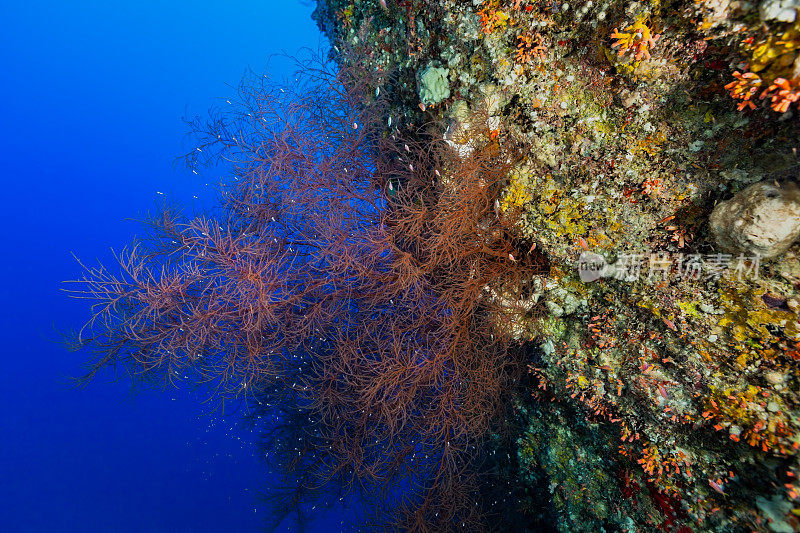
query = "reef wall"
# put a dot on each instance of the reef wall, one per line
(664, 387)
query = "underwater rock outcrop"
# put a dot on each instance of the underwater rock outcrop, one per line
(763, 219)
(665, 396)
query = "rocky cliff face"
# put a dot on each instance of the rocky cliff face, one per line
(663, 394)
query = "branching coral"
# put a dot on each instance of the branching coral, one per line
(491, 17)
(744, 88)
(773, 61)
(782, 93)
(625, 156)
(530, 47)
(637, 39)
(343, 292)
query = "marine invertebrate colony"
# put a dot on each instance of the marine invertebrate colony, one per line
(346, 296)
(404, 291)
(773, 63)
(433, 85)
(663, 390)
(636, 39)
(744, 88)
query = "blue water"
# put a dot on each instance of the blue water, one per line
(92, 96)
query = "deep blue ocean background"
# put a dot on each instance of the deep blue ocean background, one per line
(93, 94)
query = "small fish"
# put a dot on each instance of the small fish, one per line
(383, 5)
(716, 486)
(583, 243)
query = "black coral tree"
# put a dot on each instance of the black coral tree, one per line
(355, 290)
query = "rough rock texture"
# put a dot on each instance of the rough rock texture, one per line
(763, 219)
(782, 10)
(665, 398)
